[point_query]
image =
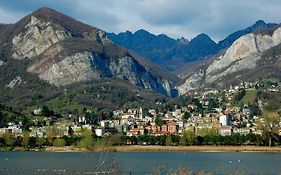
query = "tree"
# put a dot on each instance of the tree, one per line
(198, 105)
(32, 141)
(254, 110)
(70, 131)
(91, 117)
(25, 139)
(186, 115)
(168, 141)
(183, 139)
(46, 111)
(159, 121)
(40, 141)
(59, 142)
(9, 139)
(190, 137)
(269, 125)
(114, 140)
(87, 140)
(26, 123)
(3, 120)
(239, 95)
(213, 103)
(51, 133)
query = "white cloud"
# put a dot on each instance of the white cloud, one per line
(9, 16)
(177, 18)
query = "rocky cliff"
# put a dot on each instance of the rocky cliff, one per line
(63, 51)
(243, 56)
(258, 25)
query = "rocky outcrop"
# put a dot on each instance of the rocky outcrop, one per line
(193, 82)
(16, 81)
(1, 62)
(64, 51)
(71, 69)
(37, 37)
(86, 66)
(229, 40)
(243, 54)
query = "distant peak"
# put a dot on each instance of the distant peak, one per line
(62, 19)
(182, 40)
(163, 36)
(128, 32)
(261, 25)
(49, 13)
(259, 22)
(45, 10)
(142, 31)
(202, 36)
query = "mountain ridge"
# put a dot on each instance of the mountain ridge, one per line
(61, 51)
(251, 58)
(181, 51)
(258, 25)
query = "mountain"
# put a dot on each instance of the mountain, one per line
(144, 43)
(163, 50)
(199, 48)
(252, 57)
(57, 51)
(173, 54)
(259, 25)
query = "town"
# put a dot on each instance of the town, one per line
(214, 112)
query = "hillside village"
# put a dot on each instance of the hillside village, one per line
(68, 77)
(198, 113)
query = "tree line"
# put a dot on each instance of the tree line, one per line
(90, 142)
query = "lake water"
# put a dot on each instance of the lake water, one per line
(27, 163)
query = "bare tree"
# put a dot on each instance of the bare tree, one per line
(269, 126)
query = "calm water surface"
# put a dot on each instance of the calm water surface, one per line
(27, 163)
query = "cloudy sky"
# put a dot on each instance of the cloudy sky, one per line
(176, 18)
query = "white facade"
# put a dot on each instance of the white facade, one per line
(224, 120)
(225, 131)
(99, 132)
(104, 123)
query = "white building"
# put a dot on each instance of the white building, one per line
(225, 131)
(241, 131)
(14, 129)
(104, 123)
(224, 120)
(82, 119)
(99, 132)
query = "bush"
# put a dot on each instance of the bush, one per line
(87, 141)
(59, 142)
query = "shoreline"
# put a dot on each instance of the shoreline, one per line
(197, 149)
(138, 148)
(153, 148)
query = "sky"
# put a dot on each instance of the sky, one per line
(175, 18)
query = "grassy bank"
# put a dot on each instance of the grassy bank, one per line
(137, 148)
(198, 148)
(64, 149)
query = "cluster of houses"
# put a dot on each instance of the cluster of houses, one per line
(225, 122)
(133, 122)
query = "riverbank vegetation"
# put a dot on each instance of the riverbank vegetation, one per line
(188, 142)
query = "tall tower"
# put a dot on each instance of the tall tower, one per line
(140, 113)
